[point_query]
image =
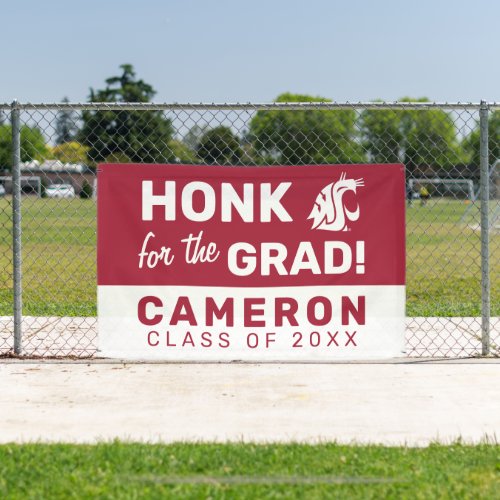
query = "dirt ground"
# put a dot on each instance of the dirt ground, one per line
(403, 401)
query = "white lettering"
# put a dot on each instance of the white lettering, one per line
(249, 261)
(149, 200)
(153, 257)
(244, 259)
(209, 202)
(330, 247)
(196, 252)
(305, 258)
(230, 198)
(270, 202)
(280, 252)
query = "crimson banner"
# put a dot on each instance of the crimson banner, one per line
(251, 263)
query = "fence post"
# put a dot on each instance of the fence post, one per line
(485, 229)
(16, 224)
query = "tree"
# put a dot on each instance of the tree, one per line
(419, 139)
(141, 136)
(471, 144)
(302, 137)
(66, 127)
(86, 191)
(33, 145)
(182, 153)
(71, 152)
(382, 135)
(431, 139)
(193, 136)
(219, 146)
(117, 158)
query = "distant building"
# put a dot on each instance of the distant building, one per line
(53, 166)
(56, 172)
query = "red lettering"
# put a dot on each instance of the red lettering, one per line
(332, 339)
(250, 311)
(149, 339)
(317, 341)
(350, 339)
(168, 340)
(358, 313)
(312, 315)
(281, 312)
(188, 339)
(141, 310)
(206, 339)
(183, 312)
(224, 340)
(270, 339)
(255, 342)
(297, 343)
(211, 310)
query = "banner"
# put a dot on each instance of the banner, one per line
(303, 263)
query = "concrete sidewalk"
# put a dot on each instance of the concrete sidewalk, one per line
(413, 402)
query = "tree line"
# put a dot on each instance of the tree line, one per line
(416, 138)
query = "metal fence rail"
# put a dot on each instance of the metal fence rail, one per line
(48, 244)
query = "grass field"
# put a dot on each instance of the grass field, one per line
(59, 252)
(117, 470)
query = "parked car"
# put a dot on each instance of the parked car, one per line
(60, 191)
(2, 190)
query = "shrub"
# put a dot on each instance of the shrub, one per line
(86, 191)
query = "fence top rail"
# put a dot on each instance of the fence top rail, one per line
(293, 106)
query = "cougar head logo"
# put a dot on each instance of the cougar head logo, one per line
(329, 212)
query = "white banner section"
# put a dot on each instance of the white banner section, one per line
(307, 323)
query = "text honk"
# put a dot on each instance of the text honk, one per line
(270, 202)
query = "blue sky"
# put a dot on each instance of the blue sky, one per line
(229, 51)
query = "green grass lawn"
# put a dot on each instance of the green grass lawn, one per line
(59, 259)
(117, 470)
(443, 261)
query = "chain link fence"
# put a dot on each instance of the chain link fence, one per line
(49, 155)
